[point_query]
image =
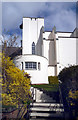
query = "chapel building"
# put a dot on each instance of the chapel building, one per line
(45, 53)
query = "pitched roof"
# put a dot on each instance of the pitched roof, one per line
(12, 51)
(75, 33)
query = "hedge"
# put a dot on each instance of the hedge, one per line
(53, 80)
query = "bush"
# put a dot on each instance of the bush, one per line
(53, 80)
(15, 84)
(69, 89)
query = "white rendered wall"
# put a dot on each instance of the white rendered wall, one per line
(51, 71)
(31, 33)
(67, 52)
(37, 76)
(77, 51)
(46, 35)
(26, 43)
(62, 34)
(57, 50)
(46, 49)
(49, 54)
(49, 48)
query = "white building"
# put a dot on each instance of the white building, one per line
(45, 53)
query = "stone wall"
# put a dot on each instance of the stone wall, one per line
(16, 113)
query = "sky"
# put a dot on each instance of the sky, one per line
(59, 14)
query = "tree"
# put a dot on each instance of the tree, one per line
(10, 44)
(10, 39)
(69, 88)
(15, 83)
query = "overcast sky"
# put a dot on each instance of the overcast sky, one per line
(62, 15)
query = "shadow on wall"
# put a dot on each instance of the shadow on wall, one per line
(52, 49)
(39, 44)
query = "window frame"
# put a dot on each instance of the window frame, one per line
(39, 66)
(22, 65)
(31, 65)
(33, 48)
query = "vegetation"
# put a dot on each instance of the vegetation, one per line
(53, 80)
(11, 40)
(47, 87)
(69, 88)
(15, 83)
(51, 89)
(52, 86)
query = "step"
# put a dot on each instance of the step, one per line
(51, 101)
(46, 109)
(46, 104)
(41, 119)
(42, 97)
(40, 114)
(47, 118)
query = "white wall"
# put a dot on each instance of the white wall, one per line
(31, 33)
(37, 76)
(57, 50)
(66, 48)
(77, 51)
(51, 71)
(62, 34)
(46, 49)
(67, 52)
(46, 35)
(26, 44)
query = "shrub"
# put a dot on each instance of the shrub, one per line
(15, 83)
(53, 80)
(69, 89)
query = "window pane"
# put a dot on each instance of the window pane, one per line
(34, 65)
(39, 65)
(33, 48)
(30, 65)
(26, 65)
(22, 65)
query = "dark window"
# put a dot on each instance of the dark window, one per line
(33, 48)
(22, 65)
(30, 65)
(38, 65)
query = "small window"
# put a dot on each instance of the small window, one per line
(38, 65)
(30, 65)
(33, 48)
(22, 65)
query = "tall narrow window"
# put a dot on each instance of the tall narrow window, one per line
(38, 65)
(33, 48)
(22, 65)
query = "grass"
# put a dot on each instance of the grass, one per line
(47, 87)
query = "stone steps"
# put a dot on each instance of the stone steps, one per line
(46, 119)
(45, 111)
(40, 114)
(40, 96)
(46, 104)
(45, 107)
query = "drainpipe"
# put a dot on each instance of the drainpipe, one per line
(54, 37)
